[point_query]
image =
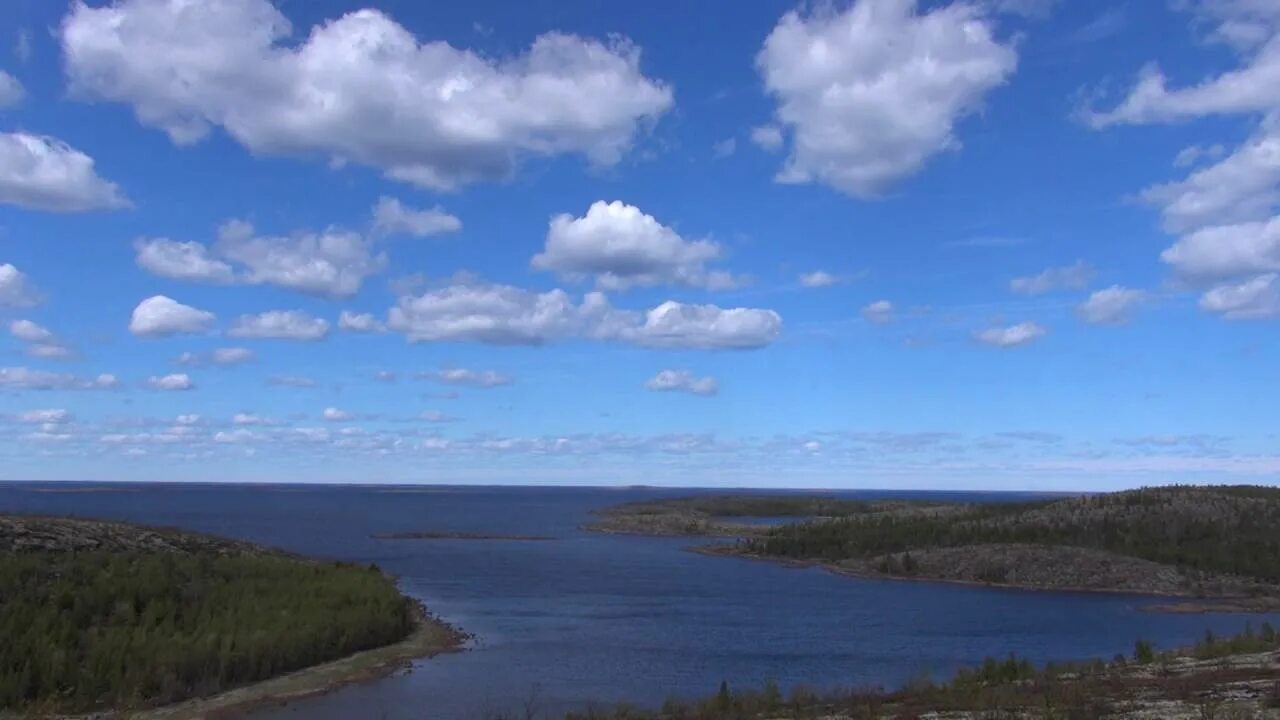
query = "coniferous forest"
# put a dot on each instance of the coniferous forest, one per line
(85, 630)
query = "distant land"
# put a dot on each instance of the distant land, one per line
(456, 535)
(1216, 545)
(121, 620)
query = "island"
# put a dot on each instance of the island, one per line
(1215, 546)
(116, 620)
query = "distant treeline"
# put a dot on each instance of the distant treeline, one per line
(743, 506)
(81, 631)
(1216, 529)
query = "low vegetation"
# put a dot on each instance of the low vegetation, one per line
(1228, 678)
(99, 615)
(1208, 542)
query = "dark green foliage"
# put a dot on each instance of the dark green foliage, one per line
(1233, 530)
(89, 630)
(1144, 653)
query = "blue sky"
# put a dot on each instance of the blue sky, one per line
(883, 243)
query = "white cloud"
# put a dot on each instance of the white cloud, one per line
(1193, 154)
(11, 91)
(1227, 251)
(767, 137)
(725, 148)
(16, 290)
(239, 435)
(463, 376)
(1067, 277)
(22, 46)
(49, 351)
(622, 247)
(1250, 28)
(1036, 9)
(43, 173)
(249, 419)
(1252, 299)
(704, 327)
(333, 262)
(27, 331)
(333, 414)
(359, 88)
(880, 311)
(181, 261)
(385, 376)
(435, 416)
(292, 381)
(506, 315)
(683, 381)
(160, 315)
(172, 381)
(1111, 306)
(21, 378)
(869, 94)
(391, 217)
(232, 355)
(281, 325)
(1011, 336)
(188, 419)
(1242, 187)
(52, 416)
(359, 322)
(819, 278)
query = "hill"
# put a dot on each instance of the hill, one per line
(107, 616)
(1210, 542)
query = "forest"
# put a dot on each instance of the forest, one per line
(1220, 529)
(128, 628)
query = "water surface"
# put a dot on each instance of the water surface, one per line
(608, 618)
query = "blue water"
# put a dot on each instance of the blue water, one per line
(611, 618)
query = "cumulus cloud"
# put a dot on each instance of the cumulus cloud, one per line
(52, 416)
(1252, 299)
(880, 311)
(231, 355)
(181, 261)
(43, 173)
(359, 88)
(1011, 336)
(11, 91)
(622, 247)
(725, 148)
(49, 351)
(16, 290)
(187, 419)
(869, 94)
(281, 325)
(464, 376)
(767, 137)
(21, 378)
(683, 381)
(333, 414)
(819, 278)
(359, 322)
(1067, 277)
(506, 315)
(333, 263)
(391, 217)
(249, 419)
(436, 416)
(1226, 251)
(1251, 29)
(160, 316)
(1110, 306)
(172, 381)
(27, 331)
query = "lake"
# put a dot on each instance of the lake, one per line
(600, 618)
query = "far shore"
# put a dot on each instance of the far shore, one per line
(1193, 605)
(431, 637)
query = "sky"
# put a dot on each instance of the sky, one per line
(978, 244)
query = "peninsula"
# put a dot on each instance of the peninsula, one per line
(1219, 545)
(120, 620)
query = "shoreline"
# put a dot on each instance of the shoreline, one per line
(1195, 605)
(431, 637)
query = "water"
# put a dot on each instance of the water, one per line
(607, 618)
